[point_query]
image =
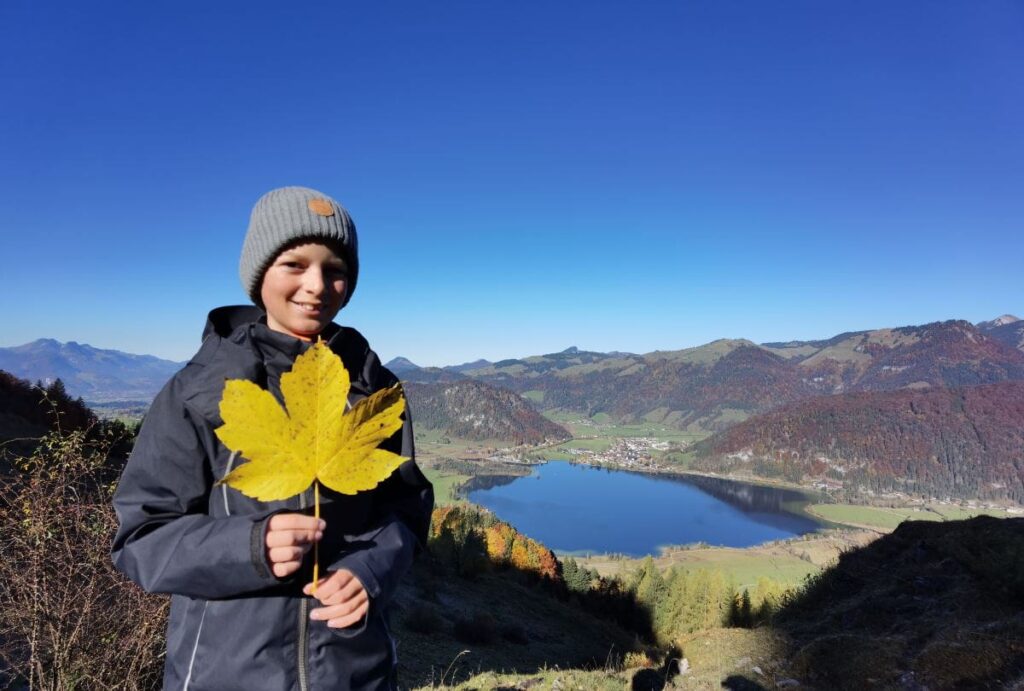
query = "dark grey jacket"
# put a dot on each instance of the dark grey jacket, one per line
(233, 625)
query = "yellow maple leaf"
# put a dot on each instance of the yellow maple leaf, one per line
(315, 439)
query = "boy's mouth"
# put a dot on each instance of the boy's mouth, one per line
(308, 307)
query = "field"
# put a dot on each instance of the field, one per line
(445, 485)
(787, 561)
(598, 445)
(602, 427)
(882, 518)
(434, 445)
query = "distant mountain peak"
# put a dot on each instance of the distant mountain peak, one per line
(48, 344)
(999, 321)
(401, 363)
(571, 350)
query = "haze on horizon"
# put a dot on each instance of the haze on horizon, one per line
(524, 178)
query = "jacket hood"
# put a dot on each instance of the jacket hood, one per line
(224, 320)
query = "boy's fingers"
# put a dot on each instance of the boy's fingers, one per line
(285, 568)
(348, 620)
(344, 614)
(330, 585)
(336, 586)
(344, 594)
(308, 588)
(286, 554)
(295, 521)
(287, 538)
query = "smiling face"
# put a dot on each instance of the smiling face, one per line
(303, 289)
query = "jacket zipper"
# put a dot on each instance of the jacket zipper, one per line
(303, 653)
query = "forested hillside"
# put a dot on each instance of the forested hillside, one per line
(28, 411)
(966, 442)
(951, 353)
(477, 411)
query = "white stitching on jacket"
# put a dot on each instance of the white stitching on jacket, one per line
(195, 647)
(224, 487)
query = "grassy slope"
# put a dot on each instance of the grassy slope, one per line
(711, 657)
(933, 605)
(556, 633)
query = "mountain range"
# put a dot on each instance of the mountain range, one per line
(98, 376)
(707, 388)
(935, 409)
(711, 387)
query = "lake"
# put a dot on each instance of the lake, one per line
(581, 509)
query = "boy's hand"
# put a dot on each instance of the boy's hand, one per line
(289, 537)
(343, 596)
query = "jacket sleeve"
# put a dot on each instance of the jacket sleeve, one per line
(399, 524)
(165, 541)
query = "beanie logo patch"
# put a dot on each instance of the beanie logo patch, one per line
(321, 207)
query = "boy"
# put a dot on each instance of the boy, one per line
(238, 569)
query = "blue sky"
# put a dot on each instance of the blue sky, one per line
(525, 176)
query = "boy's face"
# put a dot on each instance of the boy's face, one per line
(303, 289)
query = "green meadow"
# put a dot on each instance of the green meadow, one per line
(601, 426)
(446, 485)
(883, 518)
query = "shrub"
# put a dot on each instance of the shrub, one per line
(638, 658)
(67, 618)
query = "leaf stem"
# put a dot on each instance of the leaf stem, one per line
(316, 545)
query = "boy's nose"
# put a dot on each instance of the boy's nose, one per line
(314, 282)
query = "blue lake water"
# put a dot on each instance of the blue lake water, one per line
(579, 509)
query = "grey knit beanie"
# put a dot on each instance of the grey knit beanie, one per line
(285, 215)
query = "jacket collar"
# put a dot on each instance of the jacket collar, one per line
(232, 321)
(245, 326)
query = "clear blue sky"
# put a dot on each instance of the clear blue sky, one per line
(525, 176)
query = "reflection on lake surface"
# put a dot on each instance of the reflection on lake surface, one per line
(578, 508)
